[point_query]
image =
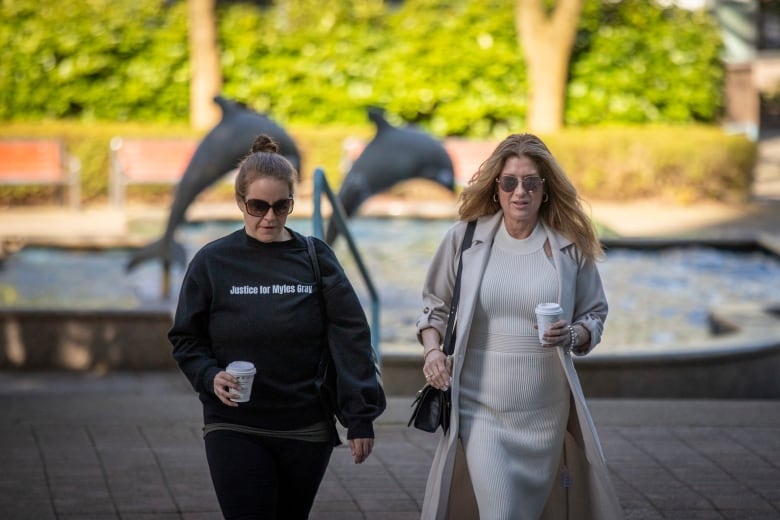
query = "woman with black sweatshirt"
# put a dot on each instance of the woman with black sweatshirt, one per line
(252, 295)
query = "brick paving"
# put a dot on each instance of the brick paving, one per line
(129, 446)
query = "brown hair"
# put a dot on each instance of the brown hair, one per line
(262, 161)
(562, 210)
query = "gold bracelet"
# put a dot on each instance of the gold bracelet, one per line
(425, 355)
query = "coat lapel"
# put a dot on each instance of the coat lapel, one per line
(475, 260)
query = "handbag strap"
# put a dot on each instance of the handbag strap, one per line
(447, 346)
(315, 264)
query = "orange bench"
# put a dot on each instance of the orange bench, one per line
(467, 156)
(40, 161)
(147, 161)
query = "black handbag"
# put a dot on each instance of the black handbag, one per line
(432, 406)
(326, 375)
(432, 409)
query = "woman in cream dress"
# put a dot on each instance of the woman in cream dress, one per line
(521, 443)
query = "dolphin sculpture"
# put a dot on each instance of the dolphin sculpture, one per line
(218, 153)
(395, 154)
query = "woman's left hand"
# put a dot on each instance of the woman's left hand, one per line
(557, 335)
(361, 449)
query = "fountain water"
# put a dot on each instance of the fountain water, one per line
(661, 297)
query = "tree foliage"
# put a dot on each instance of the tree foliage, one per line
(636, 62)
(96, 59)
(452, 66)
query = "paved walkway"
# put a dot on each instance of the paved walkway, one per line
(129, 446)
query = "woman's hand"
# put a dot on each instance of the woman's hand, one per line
(557, 335)
(361, 449)
(437, 370)
(560, 335)
(224, 384)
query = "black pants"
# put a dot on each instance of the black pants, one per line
(266, 478)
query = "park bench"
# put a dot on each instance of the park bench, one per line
(466, 155)
(40, 162)
(147, 161)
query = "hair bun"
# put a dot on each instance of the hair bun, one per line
(264, 143)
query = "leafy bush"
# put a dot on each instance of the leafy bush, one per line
(96, 60)
(681, 164)
(452, 66)
(90, 142)
(74, 69)
(635, 62)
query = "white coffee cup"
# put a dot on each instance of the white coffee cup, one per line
(546, 315)
(245, 372)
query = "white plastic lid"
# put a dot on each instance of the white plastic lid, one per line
(241, 367)
(548, 309)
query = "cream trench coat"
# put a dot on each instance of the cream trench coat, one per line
(448, 493)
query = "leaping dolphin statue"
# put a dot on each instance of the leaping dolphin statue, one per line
(220, 152)
(394, 154)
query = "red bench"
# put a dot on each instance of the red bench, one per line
(467, 156)
(40, 161)
(147, 161)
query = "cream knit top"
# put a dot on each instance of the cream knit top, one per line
(518, 276)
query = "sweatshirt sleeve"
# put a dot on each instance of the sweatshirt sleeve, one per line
(189, 334)
(360, 393)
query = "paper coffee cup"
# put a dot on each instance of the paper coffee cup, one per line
(245, 372)
(546, 315)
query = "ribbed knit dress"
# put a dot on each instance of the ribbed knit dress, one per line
(514, 398)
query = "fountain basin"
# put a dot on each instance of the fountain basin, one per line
(85, 340)
(740, 361)
(737, 357)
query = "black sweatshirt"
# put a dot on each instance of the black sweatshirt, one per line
(246, 300)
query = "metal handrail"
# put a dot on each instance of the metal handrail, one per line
(321, 187)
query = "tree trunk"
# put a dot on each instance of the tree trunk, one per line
(205, 71)
(547, 42)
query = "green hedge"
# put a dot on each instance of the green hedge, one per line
(320, 146)
(72, 68)
(681, 164)
(96, 60)
(637, 63)
(452, 66)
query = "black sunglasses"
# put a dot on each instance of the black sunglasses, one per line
(258, 207)
(508, 183)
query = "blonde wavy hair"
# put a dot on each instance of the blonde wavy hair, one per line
(562, 211)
